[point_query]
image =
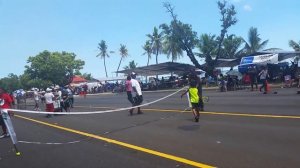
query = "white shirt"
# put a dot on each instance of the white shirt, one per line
(49, 98)
(263, 74)
(135, 84)
(36, 95)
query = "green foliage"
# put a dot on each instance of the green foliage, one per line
(231, 47)
(52, 67)
(208, 50)
(156, 39)
(171, 47)
(124, 53)
(254, 43)
(10, 83)
(148, 50)
(228, 19)
(103, 53)
(132, 65)
(183, 35)
(87, 76)
(294, 45)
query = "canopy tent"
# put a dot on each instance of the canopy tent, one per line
(161, 69)
(222, 63)
(264, 58)
(78, 79)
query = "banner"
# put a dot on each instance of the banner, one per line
(260, 59)
(9, 126)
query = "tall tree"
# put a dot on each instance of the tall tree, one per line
(10, 83)
(294, 45)
(124, 53)
(56, 67)
(148, 50)
(131, 65)
(156, 39)
(228, 19)
(183, 33)
(231, 47)
(254, 43)
(103, 53)
(208, 49)
(171, 47)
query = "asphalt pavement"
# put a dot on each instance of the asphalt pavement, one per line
(238, 129)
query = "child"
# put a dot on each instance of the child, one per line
(194, 99)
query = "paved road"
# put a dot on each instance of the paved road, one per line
(239, 129)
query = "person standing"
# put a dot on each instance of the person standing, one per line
(263, 77)
(193, 76)
(5, 103)
(71, 96)
(138, 99)
(128, 86)
(36, 97)
(49, 101)
(194, 98)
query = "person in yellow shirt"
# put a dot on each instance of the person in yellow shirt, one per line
(194, 98)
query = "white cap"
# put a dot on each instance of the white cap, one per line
(48, 90)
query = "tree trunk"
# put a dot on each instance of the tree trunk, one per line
(105, 67)
(119, 65)
(157, 60)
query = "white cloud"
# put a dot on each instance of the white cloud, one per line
(247, 8)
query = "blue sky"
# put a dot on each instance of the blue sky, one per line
(31, 26)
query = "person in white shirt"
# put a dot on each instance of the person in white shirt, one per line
(36, 97)
(138, 98)
(263, 77)
(49, 101)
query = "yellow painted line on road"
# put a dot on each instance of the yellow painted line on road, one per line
(130, 146)
(231, 114)
(219, 113)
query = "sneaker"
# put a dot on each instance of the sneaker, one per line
(4, 135)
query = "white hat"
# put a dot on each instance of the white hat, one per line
(48, 90)
(133, 73)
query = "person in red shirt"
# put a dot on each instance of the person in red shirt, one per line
(5, 103)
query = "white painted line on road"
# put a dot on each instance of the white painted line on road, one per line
(127, 145)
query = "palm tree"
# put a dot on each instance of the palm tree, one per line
(103, 52)
(172, 48)
(254, 43)
(124, 53)
(208, 46)
(231, 46)
(156, 42)
(294, 45)
(148, 50)
(132, 65)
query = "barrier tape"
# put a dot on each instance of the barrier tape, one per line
(97, 112)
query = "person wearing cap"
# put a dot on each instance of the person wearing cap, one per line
(138, 99)
(6, 102)
(49, 101)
